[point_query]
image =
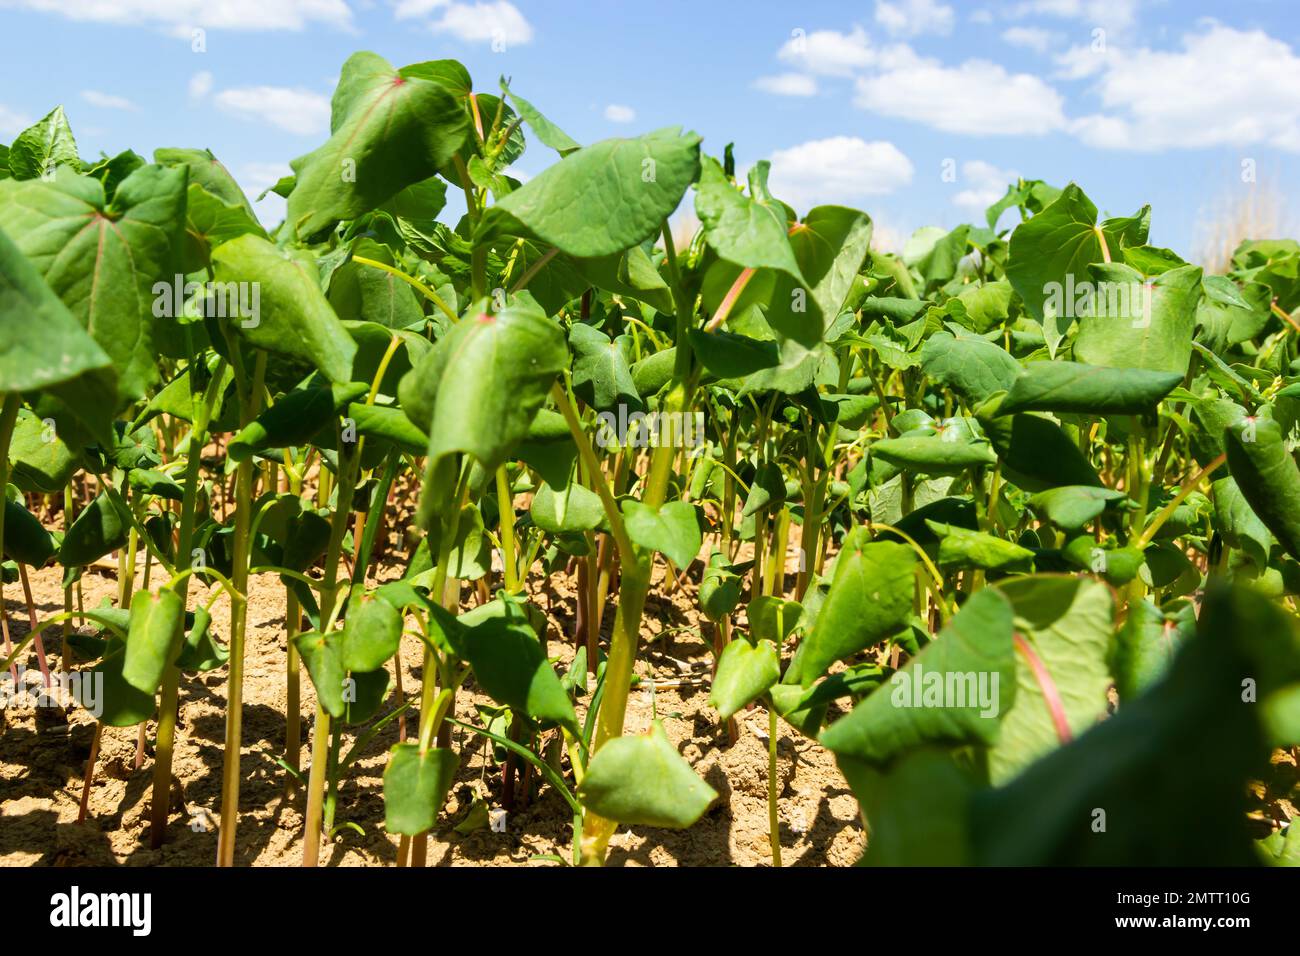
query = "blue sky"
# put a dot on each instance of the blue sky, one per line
(917, 111)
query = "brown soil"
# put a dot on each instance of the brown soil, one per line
(43, 758)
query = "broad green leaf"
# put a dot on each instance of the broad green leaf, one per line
(105, 259)
(971, 367)
(289, 313)
(1150, 325)
(1073, 506)
(1087, 389)
(870, 598)
(415, 787)
(97, 530)
(156, 624)
(963, 548)
(1035, 453)
(772, 618)
(43, 147)
(603, 198)
(510, 666)
(1051, 252)
(25, 538)
(643, 781)
(1064, 627)
(1147, 644)
(1267, 477)
(568, 510)
(479, 389)
(547, 133)
(673, 528)
(934, 454)
(1238, 523)
(745, 672)
(294, 419)
(719, 588)
(322, 656)
(388, 129)
(601, 375)
(372, 632)
(954, 692)
(1169, 769)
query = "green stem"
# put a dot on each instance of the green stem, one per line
(250, 403)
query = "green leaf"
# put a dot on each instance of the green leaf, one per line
(25, 538)
(294, 419)
(643, 781)
(1152, 330)
(510, 664)
(1147, 644)
(1066, 624)
(322, 655)
(372, 632)
(547, 133)
(104, 259)
(571, 509)
(971, 367)
(42, 461)
(963, 548)
(719, 588)
(1059, 242)
(933, 454)
(96, 531)
(602, 199)
(1237, 522)
(1267, 476)
(43, 147)
(601, 375)
(1087, 389)
(672, 528)
(479, 389)
(156, 621)
(1036, 453)
(1073, 506)
(290, 313)
(1169, 770)
(415, 787)
(745, 672)
(954, 692)
(389, 129)
(870, 598)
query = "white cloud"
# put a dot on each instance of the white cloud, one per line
(618, 113)
(180, 16)
(1118, 15)
(1033, 38)
(200, 85)
(787, 84)
(1225, 87)
(981, 16)
(982, 184)
(838, 169)
(12, 122)
(295, 110)
(253, 178)
(828, 52)
(913, 17)
(107, 101)
(497, 22)
(977, 97)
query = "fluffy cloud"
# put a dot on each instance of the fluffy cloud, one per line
(107, 101)
(838, 169)
(976, 97)
(982, 184)
(913, 17)
(1116, 15)
(295, 110)
(618, 113)
(787, 84)
(828, 52)
(181, 15)
(495, 21)
(1224, 87)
